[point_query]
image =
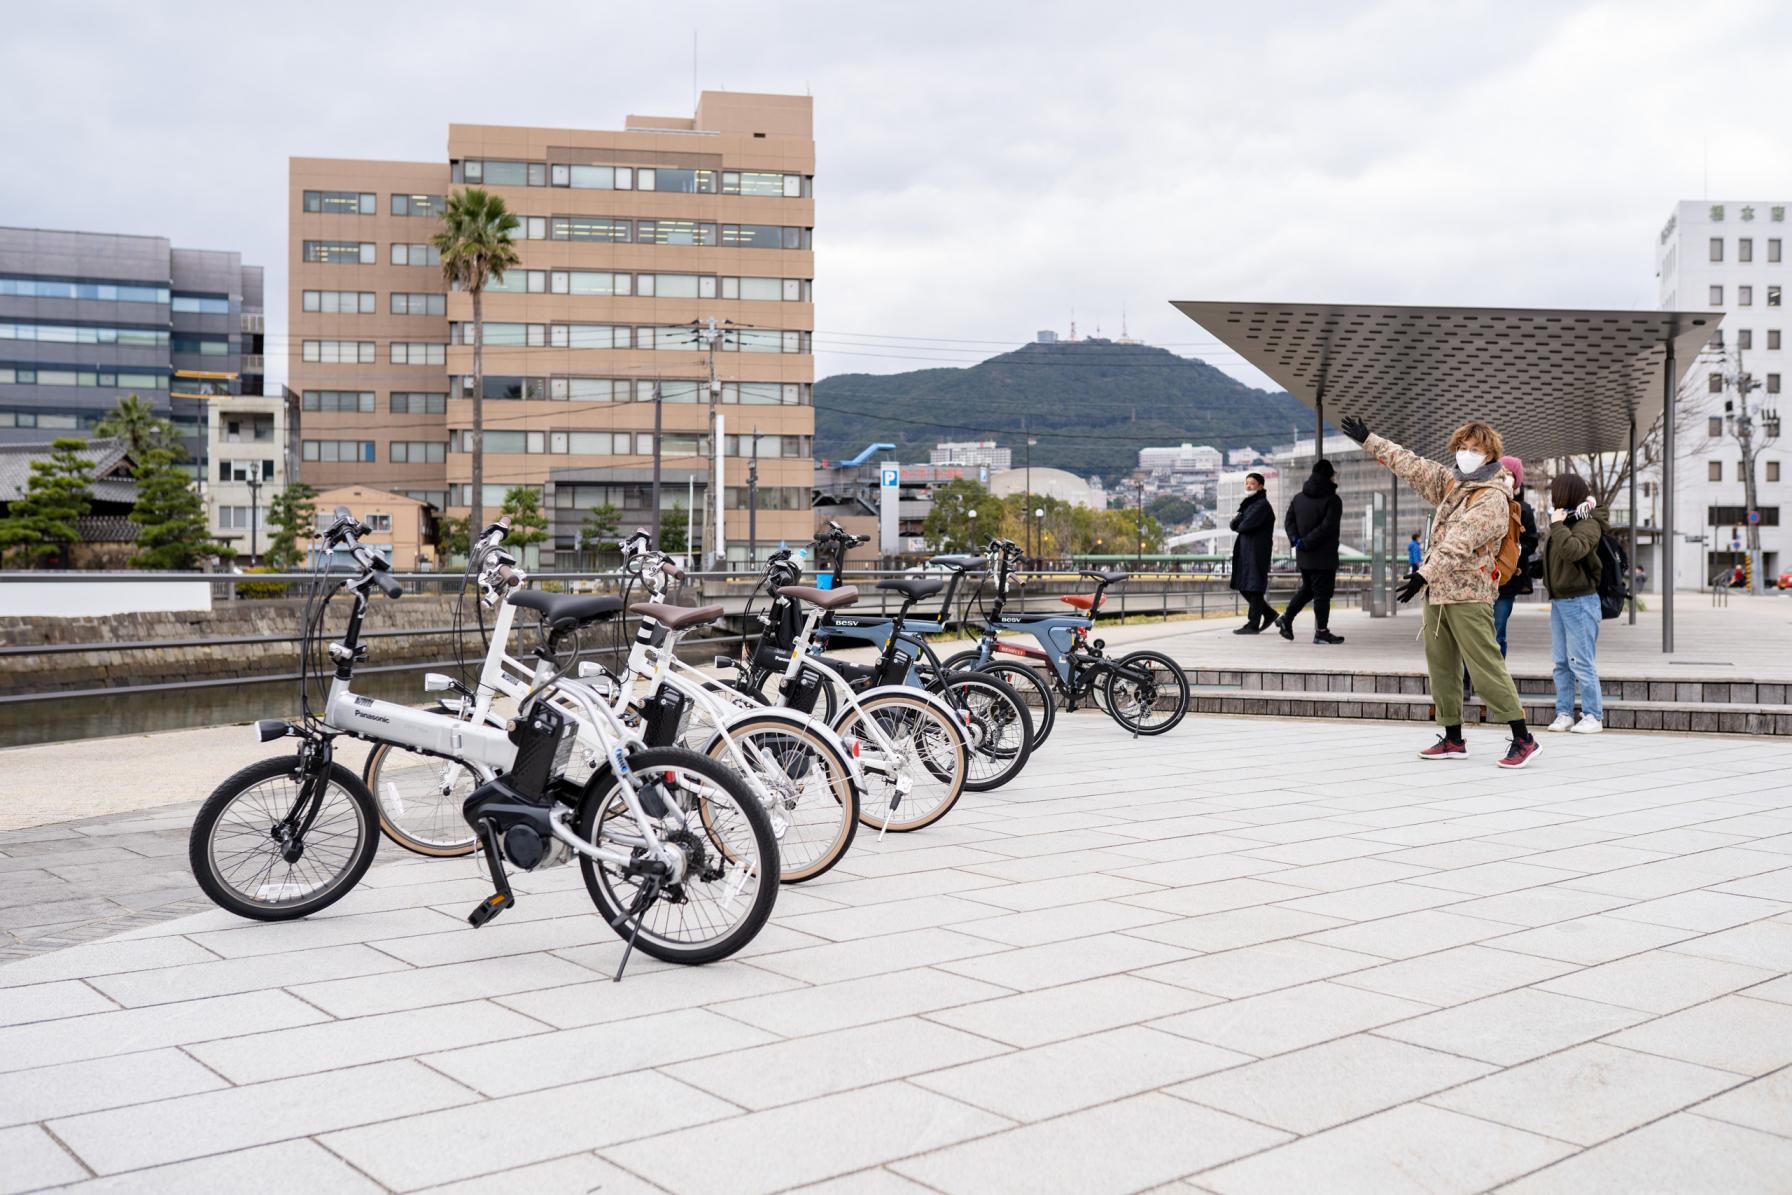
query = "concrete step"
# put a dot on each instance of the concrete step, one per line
(1697, 690)
(1695, 717)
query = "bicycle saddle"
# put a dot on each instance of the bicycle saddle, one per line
(959, 564)
(827, 599)
(1108, 576)
(563, 611)
(676, 618)
(912, 588)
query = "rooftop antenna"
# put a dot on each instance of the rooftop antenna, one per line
(1122, 319)
(693, 69)
(1073, 323)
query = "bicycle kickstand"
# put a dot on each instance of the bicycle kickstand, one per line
(650, 892)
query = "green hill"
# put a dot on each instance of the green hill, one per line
(1091, 404)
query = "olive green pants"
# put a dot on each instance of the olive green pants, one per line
(1460, 634)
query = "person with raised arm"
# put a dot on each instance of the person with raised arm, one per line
(1460, 578)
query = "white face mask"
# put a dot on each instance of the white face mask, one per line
(1468, 460)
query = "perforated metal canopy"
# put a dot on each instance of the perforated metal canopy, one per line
(1554, 382)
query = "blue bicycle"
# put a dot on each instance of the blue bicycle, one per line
(1144, 691)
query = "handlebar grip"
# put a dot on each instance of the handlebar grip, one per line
(342, 512)
(671, 570)
(388, 585)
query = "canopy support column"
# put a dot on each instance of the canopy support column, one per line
(1318, 426)
(1667, 498)
(1631, 579)
(1394, 542)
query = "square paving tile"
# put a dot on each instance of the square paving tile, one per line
(1684, 1154)
(1735, 1033)
(1515, 1026)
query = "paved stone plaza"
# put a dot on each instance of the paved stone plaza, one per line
(1253, 956)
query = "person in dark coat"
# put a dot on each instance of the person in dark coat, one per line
(1312, 525)
(1255, 524)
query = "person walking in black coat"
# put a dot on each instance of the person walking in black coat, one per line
(1312, 525)
(1255, 524)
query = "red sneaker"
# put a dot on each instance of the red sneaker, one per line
(1519, 754)
(1445, 749)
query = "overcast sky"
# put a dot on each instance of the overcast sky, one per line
(984, 168)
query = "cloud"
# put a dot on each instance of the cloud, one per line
(983, 168)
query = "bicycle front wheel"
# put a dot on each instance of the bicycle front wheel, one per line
(926, 748)
(267, 846)
(813, 805)
(1146, 692)
(731, 874)
(420, 798)
(998, 729)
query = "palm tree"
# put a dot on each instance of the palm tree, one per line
(476, 249)
(136, 423)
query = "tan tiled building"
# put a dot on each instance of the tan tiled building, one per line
(628, 239)
(400, 528)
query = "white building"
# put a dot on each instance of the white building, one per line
(248, 451)
(1050, 483)
(971, 452)
(1186, 458)
(1728, 256)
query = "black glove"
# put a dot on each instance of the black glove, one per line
(1355, 428)
(1414, 583)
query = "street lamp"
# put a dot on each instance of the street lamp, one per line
(254, 518)
(1038, 518)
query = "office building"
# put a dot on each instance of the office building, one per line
(1186, 458)
(1360, 477)
(249, 462)
(1728, 256)
(971, 452)
(87, 318)
(631, 242)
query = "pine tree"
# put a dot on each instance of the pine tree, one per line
(600, 530)
(293, 517)
(673, 537)
(527, 524)
(41, 525)
(170, 518)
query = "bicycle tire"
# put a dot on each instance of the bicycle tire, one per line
(1166, 668)
(835, 782)
(202, 842)
(599, 802)
(394, 821)
(998, 727)
(941, 754)
(1034, 689)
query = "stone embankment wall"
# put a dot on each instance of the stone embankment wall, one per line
(156, 647)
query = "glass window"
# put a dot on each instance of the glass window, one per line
(340, 302)
(752, 236)
(418, 353)
(1745, 339)
(417, 452)
(423, 206)
(341, 203)
(1714, 426)
(675, 232)
(344, 352)
(1745, 296)
(204, 346)
(1716, 297)
(336, 450)
(1714, 470)
(1773, 470)
(111, 292)
(412, 402)
(1773, 250)
(1714, 383)
(757, 340)
(753, 182)
(1717, 248)
(1773, 338)
(592, 178)
(201, 304)
(589, 228)
(762, 288)
(419, 303)
(506, 388)
(687, 182)
(674, 286)
(339, 253)
(1773, 296)
(415, 255)
(350, 401)
(1773, 383)
(1745, 249)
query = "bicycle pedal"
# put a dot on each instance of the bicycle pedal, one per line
(488, 908)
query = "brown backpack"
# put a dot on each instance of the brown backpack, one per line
(1506, 559)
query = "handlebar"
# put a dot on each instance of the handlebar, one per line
(346, 532)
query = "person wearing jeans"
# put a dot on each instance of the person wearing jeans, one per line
(1527, 546)
(1571, 573)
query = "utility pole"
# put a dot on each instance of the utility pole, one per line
(753, 503)
(254, 517)
(1739, 422)
(1028, 438)
(1138, 559)
(654, 499)
(710, 337)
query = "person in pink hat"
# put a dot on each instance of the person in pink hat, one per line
(1527, 550)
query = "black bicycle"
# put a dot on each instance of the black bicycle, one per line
(1144, 691)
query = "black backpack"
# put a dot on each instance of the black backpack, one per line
(1614, 577)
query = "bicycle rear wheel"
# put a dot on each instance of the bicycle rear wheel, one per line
(998, 728)
(814, 807)
(928, 749)
(263, 848)
(1034, 690)
(1147, 692)
(420, 798)
(726, 895)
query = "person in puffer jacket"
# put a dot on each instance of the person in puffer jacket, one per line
(1459, 576)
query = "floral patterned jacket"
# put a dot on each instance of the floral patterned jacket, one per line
(1461, 564)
